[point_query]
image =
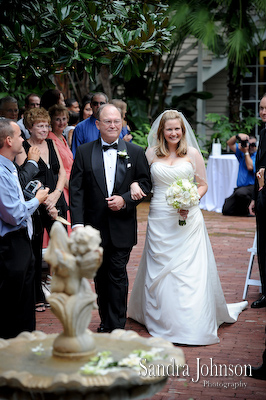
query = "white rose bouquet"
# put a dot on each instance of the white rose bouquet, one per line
(181, 195)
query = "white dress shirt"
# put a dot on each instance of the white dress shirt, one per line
(109, 159)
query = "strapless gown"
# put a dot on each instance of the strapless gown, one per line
(177, 292)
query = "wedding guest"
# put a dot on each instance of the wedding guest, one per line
(102, 173)
(17, 312)
(59, 119)
(245, 149)
(9, 108)
(261, 219)
(51, 97)
(86, 131)
(85, 110)
(260, 372)
(72, 123)
(52, 175)
(126, 135)
(72, 105)
(32, 100)
(177, 293)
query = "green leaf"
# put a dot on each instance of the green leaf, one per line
(119, 35)
(8, 33)
(104, 60)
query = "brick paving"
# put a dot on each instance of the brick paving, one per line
(240, 344)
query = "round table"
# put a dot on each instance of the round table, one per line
(221, 175)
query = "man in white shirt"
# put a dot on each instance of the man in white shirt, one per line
(17, 299)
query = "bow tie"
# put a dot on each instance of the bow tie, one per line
(111, 146)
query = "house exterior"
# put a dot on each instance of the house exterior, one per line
(198, 69)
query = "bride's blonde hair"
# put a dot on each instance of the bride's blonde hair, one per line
(161, 149)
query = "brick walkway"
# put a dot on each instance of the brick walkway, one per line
(240, 344)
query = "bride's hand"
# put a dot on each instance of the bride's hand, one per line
(136, 191)
(183, 213)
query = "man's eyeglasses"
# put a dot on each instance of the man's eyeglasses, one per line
(252, 144)
(96, 103)
(109, 122)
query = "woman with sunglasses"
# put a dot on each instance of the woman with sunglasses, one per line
(245, 149)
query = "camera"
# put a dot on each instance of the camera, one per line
(31, 189)
(244, 143)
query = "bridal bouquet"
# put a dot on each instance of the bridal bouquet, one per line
(181, 195)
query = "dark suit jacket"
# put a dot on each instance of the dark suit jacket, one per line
(88, 191)
(260, 158)
(26, 173)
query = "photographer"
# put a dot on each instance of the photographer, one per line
(245, 149)
(17, 313)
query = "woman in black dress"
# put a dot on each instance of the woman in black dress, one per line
(51, 174)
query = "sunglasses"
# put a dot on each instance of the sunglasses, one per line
(95, 103)
(252, 144)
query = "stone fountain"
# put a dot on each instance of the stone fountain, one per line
(36, 366)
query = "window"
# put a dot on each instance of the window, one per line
(254, 84)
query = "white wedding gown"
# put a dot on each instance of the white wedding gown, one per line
(177, 293)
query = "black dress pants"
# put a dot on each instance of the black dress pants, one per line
(111, 285)
(261, 248)
(237, 204)
(17, 295)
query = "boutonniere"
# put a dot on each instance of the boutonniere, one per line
(123, 154)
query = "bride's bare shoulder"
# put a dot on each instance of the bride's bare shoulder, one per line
(150, 155)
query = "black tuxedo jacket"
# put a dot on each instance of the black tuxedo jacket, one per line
(88, 191)
(260, 158)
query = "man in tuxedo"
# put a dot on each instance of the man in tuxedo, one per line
(101, 176)
(261, 216)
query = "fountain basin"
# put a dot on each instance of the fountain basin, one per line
(27, 375)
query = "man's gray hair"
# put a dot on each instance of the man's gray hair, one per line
(99, 94)
(99, 111)
(7, 99)
(6, 130)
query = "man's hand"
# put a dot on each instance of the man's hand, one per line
(260, 176)
(243, 136)
(34, 154)
(251, 207)
(136, 191)
(115, 203)
(42, 195)
(128, 137)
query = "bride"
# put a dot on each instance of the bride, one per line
(177, 293)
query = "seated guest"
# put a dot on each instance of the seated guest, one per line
(245, 151)
(17, 312)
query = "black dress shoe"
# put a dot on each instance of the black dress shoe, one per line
(102, 329)
(258, 372)
(261, 302)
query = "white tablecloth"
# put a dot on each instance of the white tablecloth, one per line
(221, 175)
